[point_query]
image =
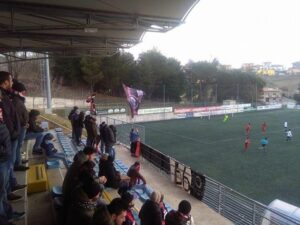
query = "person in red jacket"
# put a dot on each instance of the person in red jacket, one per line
(135, 175)
(128, 201)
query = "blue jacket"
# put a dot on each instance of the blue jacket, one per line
(264, 141)
(134, 136)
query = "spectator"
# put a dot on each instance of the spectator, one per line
(78, 118)
(84, 203)
(72, 176)
(18, 101)
(107, 169)
(110, 133)
(134, 174)
(70, 117)
(34, 131)
(128, 201)
(163, 208)
(12, 123)
(91, 129)
(134, 138)
(48, 146)
(150, 213)
(101, 131)
(181, 216)
(9, 132)
(113, 214)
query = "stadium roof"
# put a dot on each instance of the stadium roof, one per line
(84, 27)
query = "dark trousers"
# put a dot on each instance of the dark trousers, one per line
(133, 147)
(78, 132)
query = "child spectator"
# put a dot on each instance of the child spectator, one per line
(128, 201)
(181, 216)
(135, 175)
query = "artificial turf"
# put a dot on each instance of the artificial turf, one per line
(216, 148)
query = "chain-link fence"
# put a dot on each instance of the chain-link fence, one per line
(123, 129)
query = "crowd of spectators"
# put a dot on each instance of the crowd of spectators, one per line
(82, 187)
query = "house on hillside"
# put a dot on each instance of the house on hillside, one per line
(295, 70)
(271, 95)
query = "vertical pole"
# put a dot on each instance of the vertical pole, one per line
(217, 93)
(220, 199)
(48, 86)
(164, 93)
(237, 92)
(255, 93)
(192, 95)
(254, 214)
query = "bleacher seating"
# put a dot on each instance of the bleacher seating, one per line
(69, 149)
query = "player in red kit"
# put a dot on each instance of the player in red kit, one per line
(247, 143)
(264, 127)
(248, 128)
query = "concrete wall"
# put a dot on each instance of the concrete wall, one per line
(41, 103)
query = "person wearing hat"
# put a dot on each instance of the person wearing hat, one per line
(18, 101)
(128, 201)
(71, 179)
(84, 202)
(150, 213)
(181, 216)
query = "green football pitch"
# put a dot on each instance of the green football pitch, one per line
(216, 149)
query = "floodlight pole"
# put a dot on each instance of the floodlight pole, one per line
(164, 93)
(48, 85)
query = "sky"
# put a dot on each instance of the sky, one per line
(234, 32)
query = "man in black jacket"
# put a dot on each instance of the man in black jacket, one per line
(110, 133)
(13, 124)
(91, 129)
(19, 103)
(8, 134)
(70, 117)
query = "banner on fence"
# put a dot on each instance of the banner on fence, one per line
(155, 110)
(180, 175)
(197, 185)
(267, 107)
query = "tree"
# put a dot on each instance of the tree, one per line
(91, 70)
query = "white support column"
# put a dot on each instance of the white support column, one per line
(48, 86)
